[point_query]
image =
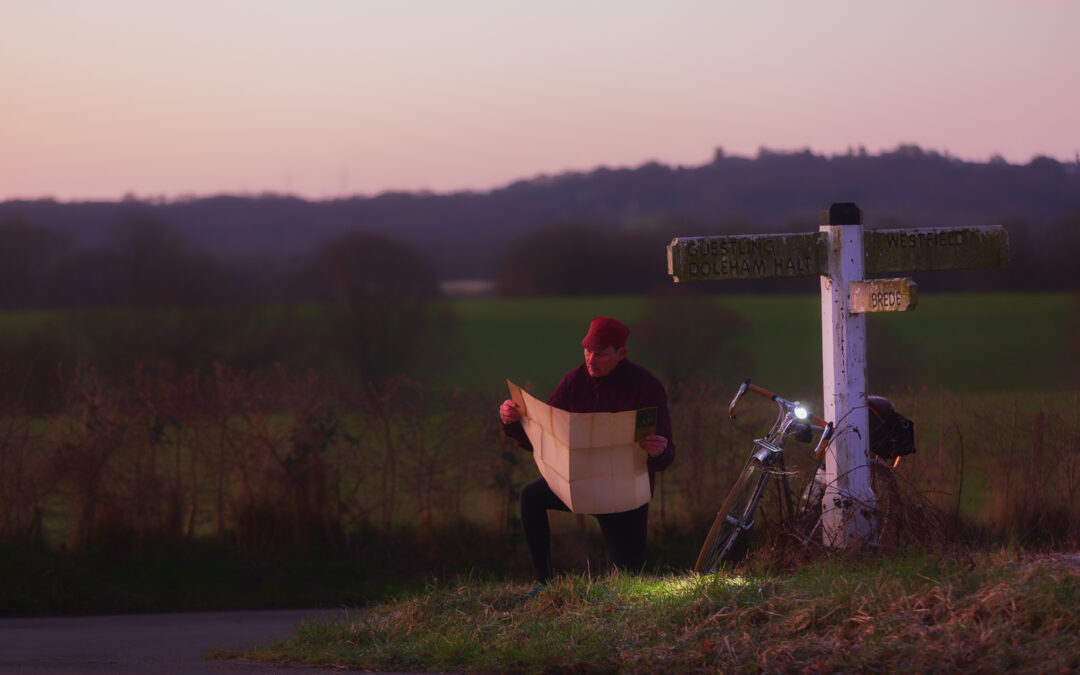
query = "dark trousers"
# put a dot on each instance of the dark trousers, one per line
(624, 533)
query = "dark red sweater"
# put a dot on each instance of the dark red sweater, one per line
(628, 387)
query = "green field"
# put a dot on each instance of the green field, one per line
(972, 342)
(959, 342)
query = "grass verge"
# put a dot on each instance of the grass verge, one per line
(987, 611)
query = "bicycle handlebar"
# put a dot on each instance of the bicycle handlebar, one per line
(762, 391)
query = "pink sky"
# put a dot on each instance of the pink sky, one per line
(322, 98)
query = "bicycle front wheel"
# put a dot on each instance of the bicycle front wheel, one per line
(807, 520)
(734, 518)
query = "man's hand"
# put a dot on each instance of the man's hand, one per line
(654, 445)
(509, 413)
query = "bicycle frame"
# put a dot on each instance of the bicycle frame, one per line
(767, 459)
(790, 414)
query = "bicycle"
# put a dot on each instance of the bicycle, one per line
(801, 515)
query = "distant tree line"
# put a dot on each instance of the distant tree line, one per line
(147, 263)
(582, 258)
(467, 235)
(193, 310)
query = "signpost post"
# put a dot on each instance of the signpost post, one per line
(843, 362)
(841, 253)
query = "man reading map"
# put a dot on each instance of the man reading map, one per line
(607, 382)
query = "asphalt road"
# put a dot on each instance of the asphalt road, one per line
(145, 643)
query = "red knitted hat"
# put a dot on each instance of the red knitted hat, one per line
(604, 333)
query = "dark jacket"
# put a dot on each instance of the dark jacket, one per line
(627, 387)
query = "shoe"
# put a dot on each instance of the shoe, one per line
(540, 585)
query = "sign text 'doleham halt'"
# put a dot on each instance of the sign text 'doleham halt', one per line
(747, 256)
(758, 256)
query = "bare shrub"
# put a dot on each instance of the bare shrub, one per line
(294, 461)
(1036, 480)
(711, 452)
(85, 437)
(278, 445)
(24, 477)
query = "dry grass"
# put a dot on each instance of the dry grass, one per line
(944, 612)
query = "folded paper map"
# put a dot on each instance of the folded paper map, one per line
(592, 461)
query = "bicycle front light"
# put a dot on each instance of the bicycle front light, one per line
(801, 412)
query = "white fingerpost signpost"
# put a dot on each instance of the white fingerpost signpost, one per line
(842, 253)
(843, 364)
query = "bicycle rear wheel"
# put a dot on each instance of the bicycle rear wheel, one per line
(888, 505)
(734, 518)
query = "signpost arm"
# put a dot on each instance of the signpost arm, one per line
(849, 502)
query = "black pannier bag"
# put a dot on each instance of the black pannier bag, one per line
(891, 434)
